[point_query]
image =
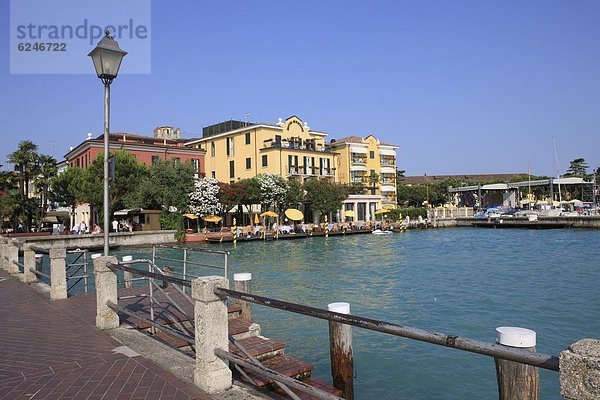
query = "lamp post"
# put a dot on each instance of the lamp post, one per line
(107, 57)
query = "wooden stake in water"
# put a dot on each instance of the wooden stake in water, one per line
(340, 349)
(516, 381)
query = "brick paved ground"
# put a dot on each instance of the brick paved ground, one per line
(52, 350)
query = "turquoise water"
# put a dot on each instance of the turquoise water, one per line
(463, 282)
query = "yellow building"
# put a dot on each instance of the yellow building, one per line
(370, 162)
(238, 150)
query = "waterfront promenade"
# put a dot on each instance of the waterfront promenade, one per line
(52, 349)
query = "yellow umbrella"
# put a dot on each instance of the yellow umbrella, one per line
(212, 218)
(256, 219)
(293, 214)
(269, 214)
(349, 213)
(190, 216)
(381, 211)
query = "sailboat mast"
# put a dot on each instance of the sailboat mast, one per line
(557, 171)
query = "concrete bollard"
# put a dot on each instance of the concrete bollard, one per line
(243, 283)
(29, 261)
(516, 380)
(106, 290)
(210, 312)
(127, 276)
(58, 273)
(13, 255)
(580, 370)
(340, 350)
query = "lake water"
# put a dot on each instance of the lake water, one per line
(464, 281)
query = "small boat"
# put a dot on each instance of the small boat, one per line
(380, 232)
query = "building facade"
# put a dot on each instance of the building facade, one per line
(238, 150)
(370, 162)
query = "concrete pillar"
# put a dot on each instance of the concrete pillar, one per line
(211, 374)
(106, 290)
(58, 273)
(580, 370)
(29, 262)
(13, 255)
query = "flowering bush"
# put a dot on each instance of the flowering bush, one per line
(273, 189)
(204, 199)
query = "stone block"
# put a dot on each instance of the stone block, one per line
(106, 290)
(204, 289)
(580, 370)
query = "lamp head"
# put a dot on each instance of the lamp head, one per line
(107, 57)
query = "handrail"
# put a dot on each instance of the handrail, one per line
(461, 343)
(39, 250)
(198, 249)
(40, 273)
(276, 376)
(149, 274)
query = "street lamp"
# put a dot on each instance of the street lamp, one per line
(107, 57)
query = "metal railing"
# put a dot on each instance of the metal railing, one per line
(38, 267)
(185, 261)
(79, 264)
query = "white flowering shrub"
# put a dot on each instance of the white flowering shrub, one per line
(204, 199)
(273, 189)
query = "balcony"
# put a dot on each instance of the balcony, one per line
(387, 161)
(308, 146)
(357, 158)
(300, 170)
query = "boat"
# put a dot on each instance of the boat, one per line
(380, 232)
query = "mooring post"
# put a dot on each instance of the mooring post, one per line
(243, 283)
(127, 276)
(58, 273)
(106, 290)
(340, 350)
(516, 381)
(13, 255)
(580, 370)
(210, 312)
(29, 262)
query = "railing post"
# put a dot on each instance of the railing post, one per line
(210, 312)
(13, 255)
(106, 290)
(340, 350)
(515, 380)
(243, 283)
(580, 370)
(58, 273)
(127, 276)
(29, 262)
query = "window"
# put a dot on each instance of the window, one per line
(212, 149)
(213, 175)
(278, 139)
(154, 159)
(230, 147)
(264, 160)
(247, 137)
(231, 169)
(196, 164)
(372, 155)
(248, 163)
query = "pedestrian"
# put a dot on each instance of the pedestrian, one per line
(115, 225)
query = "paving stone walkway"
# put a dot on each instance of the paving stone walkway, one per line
(52, 350)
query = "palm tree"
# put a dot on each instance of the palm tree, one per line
(25, 161)
(373, 180)
(47, 170)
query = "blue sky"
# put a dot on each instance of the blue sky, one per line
(460, 86)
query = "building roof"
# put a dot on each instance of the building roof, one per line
(355, 139)
(422, 179)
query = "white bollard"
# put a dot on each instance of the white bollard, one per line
(341, 353)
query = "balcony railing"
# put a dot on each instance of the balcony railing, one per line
(296, 146)
(389, 161)
(300, 170)
(359, 160)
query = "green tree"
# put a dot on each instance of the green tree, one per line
(47, 170)
(294, 195)
(325, 196)
(373, 181)
(128, 176)
(578, 167)
(64, 189)
(166, 186)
